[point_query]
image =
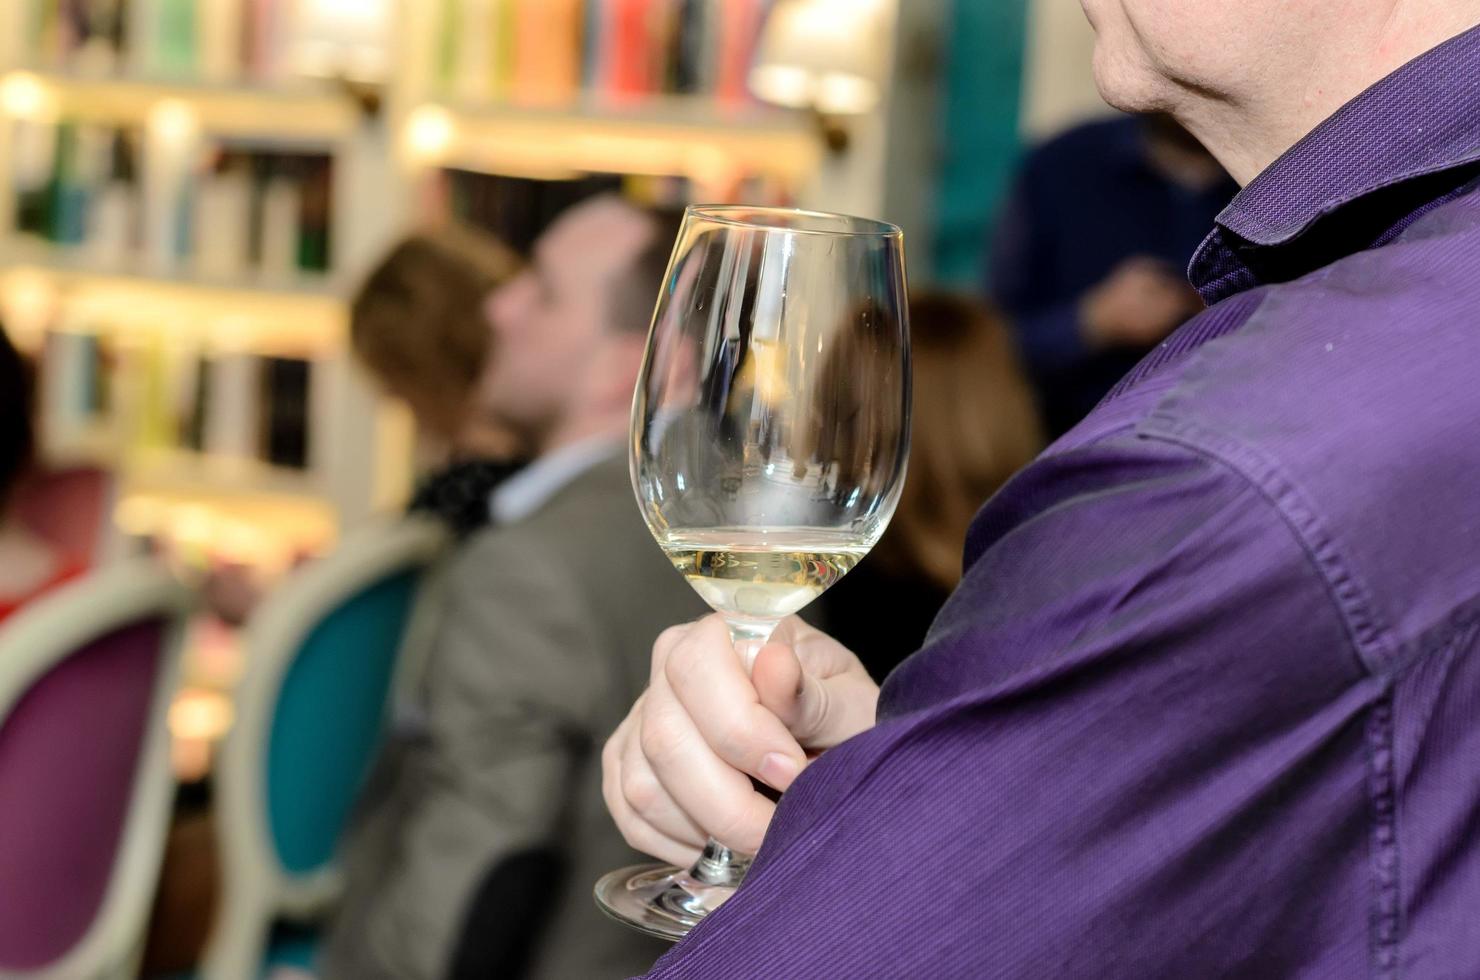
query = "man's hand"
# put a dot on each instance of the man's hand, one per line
(1138, 305)
(679, 767)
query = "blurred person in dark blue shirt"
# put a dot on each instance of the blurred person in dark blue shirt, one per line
(1090, 255)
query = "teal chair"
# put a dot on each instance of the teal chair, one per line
(324, 655)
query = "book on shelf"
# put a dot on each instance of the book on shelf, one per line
(475, 47)
(255, 407)
(549, 52)
(224, 213)
(632, 49)
(546, 50)
(739, 32)
(284, 411)
(157, 393)
(73, 398)
(217, 40)
(231, 416)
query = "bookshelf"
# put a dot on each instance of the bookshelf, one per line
(526, 88)
(139, 294)
(267, 114)
(671, 135)
(646, 88)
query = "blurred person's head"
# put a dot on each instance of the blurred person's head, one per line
(419, 324)
(1250, 77)
(569, 330)
(973, 425)
(17, 441)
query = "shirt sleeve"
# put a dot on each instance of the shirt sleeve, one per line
(1128, 745)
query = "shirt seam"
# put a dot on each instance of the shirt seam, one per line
(1348, 595)
(1385, 925)
(1371, 638)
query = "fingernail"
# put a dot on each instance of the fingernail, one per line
(778, 771)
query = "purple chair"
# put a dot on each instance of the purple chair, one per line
(87, 674)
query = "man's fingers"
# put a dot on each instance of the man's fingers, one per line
(710, 683)
(646, 797)
(639, 834)
(642, 836)
(714, 794)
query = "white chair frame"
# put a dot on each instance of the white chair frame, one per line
(256, 888)
(38, 638)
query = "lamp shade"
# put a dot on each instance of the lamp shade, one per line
(826, 55)
(341, 38)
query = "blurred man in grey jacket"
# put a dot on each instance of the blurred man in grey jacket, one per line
(483, 829)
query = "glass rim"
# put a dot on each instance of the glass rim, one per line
(730, 215)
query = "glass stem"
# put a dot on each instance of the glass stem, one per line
(719, 865)
(748, 636)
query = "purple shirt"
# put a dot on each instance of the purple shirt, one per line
(1207, 703)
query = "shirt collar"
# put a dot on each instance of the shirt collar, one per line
(1422, 120)
(524, 493)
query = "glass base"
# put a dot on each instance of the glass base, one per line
(659, 899)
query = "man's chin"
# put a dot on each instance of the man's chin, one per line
(1123, 88)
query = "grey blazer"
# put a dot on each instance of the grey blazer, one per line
(543, 645)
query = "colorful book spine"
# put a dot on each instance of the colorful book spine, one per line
(448, 48)
(505, 40)
(111, 216)
(547, 52)
(70, 394)
(629, 55)
(143, 36)
(314, 203)
(594, 67)
(281, 205)
(739, 31)
(264, 33)
(231, 415)
(690, 73)
(217, 40)
(468, 53)
(223, 222)
(220, 43)
(283, 412)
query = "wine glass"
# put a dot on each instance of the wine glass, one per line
(770, 430)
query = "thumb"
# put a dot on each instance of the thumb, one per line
(785, 689)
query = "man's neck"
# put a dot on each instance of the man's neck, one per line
(1249, 132)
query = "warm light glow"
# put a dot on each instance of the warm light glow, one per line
(222, 522)
(842, 94)
(429, 132)
(783, 85)
(190, 759)
(173, 122)
(24, 96)
(200, 714)
(28, 303)
(826, 55)
(341, 38)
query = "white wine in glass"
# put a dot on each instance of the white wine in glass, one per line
(770, 431)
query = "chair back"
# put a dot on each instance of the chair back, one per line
(323, 654)
(87, 675)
